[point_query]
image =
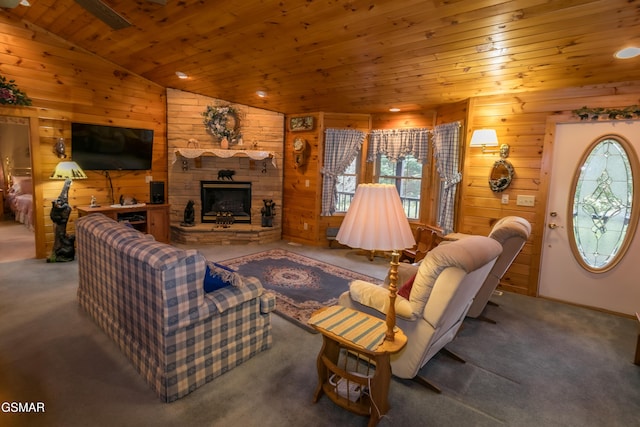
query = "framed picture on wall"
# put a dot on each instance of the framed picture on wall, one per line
(300, 123)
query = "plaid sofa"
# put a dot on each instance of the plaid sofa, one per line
(149, 298)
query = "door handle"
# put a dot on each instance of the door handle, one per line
(553, 225)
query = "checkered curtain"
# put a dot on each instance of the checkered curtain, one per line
(341, 146)
(446, 147)
(397, 143)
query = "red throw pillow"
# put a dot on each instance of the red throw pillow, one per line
(405, 290)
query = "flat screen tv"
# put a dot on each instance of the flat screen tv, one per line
(98, 147)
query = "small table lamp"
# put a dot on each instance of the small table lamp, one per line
(63, 245)
(376, 221)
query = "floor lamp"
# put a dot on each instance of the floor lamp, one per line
(376, 221)
(63, 245)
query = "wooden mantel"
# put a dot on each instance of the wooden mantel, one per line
(193, 153)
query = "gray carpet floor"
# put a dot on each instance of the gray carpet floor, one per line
(17, 242)
(543, 364)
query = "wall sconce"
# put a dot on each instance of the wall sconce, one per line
(488, 138)
(60, 149)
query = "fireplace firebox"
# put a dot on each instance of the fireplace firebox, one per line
(227, 198)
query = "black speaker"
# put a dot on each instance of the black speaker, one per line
(156, 192)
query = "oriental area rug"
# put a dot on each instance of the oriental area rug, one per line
(301, 284)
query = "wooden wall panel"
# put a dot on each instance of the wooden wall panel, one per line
(67, 84)
(302, 185)
(404, 120)
(521, 122)
(303, 204)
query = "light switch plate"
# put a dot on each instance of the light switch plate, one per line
(505, 199)
(526, 200)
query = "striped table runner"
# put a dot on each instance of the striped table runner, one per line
(359, 328)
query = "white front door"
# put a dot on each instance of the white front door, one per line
(561, 275)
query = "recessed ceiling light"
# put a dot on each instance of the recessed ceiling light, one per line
(181, 75)
(261, 93)
(394, 110)
(627, 52)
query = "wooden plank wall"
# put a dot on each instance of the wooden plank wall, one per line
(302, 204)
(521, 121)
(67, 84)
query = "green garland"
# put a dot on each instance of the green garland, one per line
(626, 113)
(222, 122)
(10, 94)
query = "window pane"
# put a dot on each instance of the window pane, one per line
(406, 175)
(346, 186)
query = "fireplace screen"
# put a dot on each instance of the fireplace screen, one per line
(226, 198)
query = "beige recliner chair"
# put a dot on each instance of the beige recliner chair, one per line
(512, 232)
(438, 299)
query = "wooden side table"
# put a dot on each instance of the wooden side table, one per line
(354, 372)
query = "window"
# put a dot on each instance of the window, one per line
(406, 175)
(603, 215)
(346, 185)
(341, 146)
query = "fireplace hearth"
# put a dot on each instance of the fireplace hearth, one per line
(226, 198)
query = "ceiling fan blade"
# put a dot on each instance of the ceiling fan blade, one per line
(9, 4)
(105, 13)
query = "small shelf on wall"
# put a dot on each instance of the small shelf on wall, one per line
(193, 153)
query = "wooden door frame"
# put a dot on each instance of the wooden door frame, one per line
(36, 171)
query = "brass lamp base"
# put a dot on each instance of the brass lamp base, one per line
(393, 288)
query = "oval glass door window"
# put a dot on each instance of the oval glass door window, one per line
(603, 217)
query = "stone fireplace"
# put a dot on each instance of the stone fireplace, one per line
(225, 197)
(262, 130)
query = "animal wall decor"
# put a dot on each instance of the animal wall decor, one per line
(226, 174)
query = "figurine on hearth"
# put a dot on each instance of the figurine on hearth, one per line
(268, 212)
(189, 215)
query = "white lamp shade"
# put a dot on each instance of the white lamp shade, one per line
(484, 137)
(376, 220)
(70, 170)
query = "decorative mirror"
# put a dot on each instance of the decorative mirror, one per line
(501, 175)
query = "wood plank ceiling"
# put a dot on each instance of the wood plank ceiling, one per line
(356, 56)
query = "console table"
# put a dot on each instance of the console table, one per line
(148, 218)
(354, 368)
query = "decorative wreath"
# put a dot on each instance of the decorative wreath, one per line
(10, 94)
(222, 122)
